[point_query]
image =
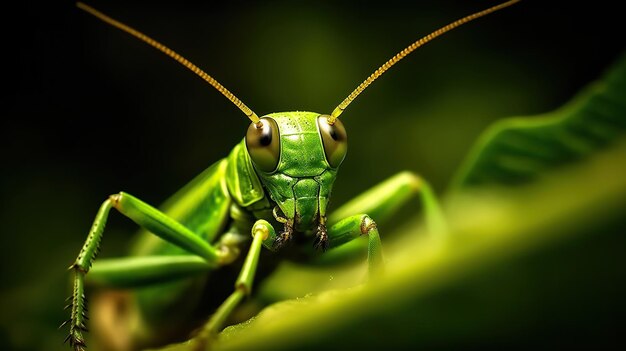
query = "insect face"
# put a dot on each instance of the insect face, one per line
(296, 156)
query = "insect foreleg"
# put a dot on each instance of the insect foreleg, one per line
(380, 202)
(139, 271)
(147, 217)
(383, 200)
(353, 227)
(263, 233)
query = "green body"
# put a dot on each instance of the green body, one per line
(279, 176)
(229, 197)
(196, 240)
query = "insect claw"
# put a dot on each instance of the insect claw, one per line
(79, 345)
(282, 240)
(321, 238)
(321, 244)
(277, 244)
(285, 236)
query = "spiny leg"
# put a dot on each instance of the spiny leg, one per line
(321, 235)
(262, 231)
(144, 215)
(81, 266)
(286, 234)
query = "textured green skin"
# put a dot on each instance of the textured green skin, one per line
(302, 182)
(176, 284)
(227, 198)
(208, 224)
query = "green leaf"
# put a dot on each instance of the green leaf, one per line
(518, 150)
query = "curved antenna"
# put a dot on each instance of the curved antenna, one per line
(173, 54)
(409, 49)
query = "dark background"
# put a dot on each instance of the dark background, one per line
(89, 110)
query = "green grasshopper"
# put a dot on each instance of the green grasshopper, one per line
(279, 176)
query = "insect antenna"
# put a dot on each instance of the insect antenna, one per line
(174, 55)
(409, 49)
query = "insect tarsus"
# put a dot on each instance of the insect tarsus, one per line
(285, 236)
(77, 328)
(321, 236)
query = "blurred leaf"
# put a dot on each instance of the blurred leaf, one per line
(517, 150)
(537, 264)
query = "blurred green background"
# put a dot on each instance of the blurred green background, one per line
(90, 111)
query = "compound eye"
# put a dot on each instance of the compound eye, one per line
(334, 139)
(263, 144)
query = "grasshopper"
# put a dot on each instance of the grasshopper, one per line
(280, 176)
